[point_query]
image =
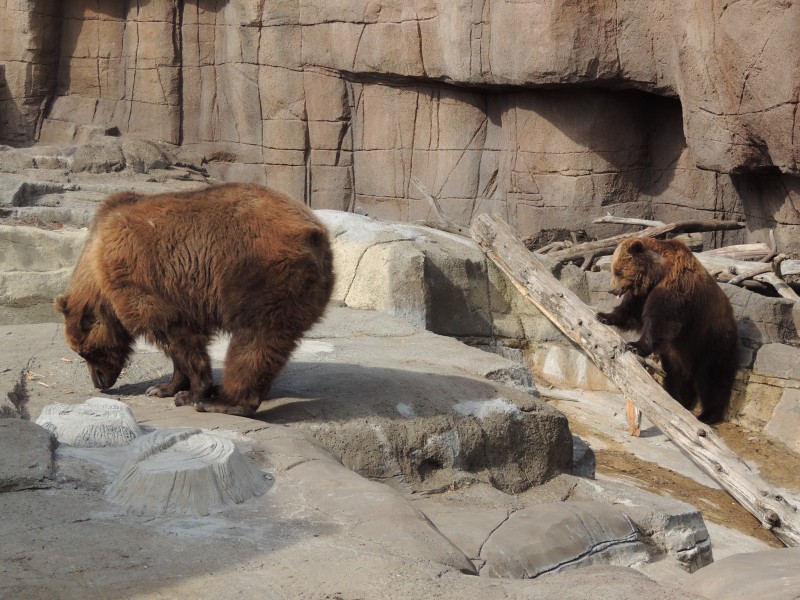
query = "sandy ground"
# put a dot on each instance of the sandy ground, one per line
(618, 459)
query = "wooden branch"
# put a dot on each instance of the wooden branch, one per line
(783, 288)
(627, 221)
(740, 278)
(449, 227)
(693, 240)
(607, 245)
(554, 246)
(634, 417)
(446, 224)
(607, 349)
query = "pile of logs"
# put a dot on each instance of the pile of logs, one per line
(755, 266)
(738, 265)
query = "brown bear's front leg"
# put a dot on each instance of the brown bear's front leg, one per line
(178, 383)
(662, 320)
(627, 315)
(191, 378)
(253, 361)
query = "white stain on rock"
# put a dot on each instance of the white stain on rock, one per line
(482, 409)
(405, 410)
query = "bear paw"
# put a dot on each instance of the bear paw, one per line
(162, 390)
(604, 318)
(183, 399)
(636, 349)
(221, 407)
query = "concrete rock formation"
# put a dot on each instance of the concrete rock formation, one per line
(185, 471)
(98, 422)
(551, 112)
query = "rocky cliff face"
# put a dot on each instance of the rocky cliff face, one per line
(551, 112)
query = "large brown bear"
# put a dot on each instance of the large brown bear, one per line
(178, 267)
(683, 316)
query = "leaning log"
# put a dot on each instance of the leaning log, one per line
(607, 349)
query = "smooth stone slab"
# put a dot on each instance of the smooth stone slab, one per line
(552, 537)
(96, 423)
(766, 575)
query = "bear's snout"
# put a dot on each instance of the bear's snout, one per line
(102, 379)
(619, 290)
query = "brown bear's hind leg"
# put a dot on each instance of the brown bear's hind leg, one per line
(253, 361)
(714, 385)
(679, 383)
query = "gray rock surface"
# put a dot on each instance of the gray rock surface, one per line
(770, 399)
(766, 575)
(26, 455)
(341, 103)
(503, 534)
(532, 541)
(320, 531)
(784, 424)
(406, 406)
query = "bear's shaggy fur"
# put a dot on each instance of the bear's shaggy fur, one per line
(178, 267)
(683, 316)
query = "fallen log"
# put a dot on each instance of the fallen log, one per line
(757, 251)
(587, 251)
(607, 349)
(693, 240)
(736, 271)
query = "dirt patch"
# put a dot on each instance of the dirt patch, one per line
(776, 463)
(717, 506)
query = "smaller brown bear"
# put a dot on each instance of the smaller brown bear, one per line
(683, 317)
(176, 268)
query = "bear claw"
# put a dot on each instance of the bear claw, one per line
(633, 347)
(183, 399)
(157, 391)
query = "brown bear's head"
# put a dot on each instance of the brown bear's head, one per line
(97, 336)
(635, 267)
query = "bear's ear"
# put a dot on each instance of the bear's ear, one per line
(61, 304)
(636, 247)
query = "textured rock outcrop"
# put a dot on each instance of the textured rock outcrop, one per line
(98, 422)
(550, 112)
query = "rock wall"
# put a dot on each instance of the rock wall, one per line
(551, 112)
